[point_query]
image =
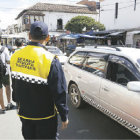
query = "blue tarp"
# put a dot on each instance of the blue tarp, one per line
(77, 36)
(92, 37)
(91, 32)
(70, 36)
(105, 32)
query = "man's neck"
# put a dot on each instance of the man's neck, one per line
(39, 41)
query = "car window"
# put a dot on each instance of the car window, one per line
(126, 63)
(55, 51)
(138, 60)
(119, 73)
(77, 59)
(95, 63)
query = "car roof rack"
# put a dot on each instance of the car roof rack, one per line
(108, 47)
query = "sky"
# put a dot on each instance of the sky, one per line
(9, 9)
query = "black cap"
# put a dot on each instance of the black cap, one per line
(39, 28)
(18, 42)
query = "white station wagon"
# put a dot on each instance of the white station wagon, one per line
(55, 50)
(108, 79)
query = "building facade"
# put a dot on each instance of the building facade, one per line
(122, 15)
(55, 16)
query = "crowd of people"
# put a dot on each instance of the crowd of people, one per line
(38, 85)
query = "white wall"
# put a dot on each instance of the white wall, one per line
(19, 22)
(127, 17)
(51, 18)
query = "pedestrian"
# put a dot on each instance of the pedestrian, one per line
(19, 43)
(13, 49)
(54, 40)
(138, 43)
(39, 86)
(4, 79)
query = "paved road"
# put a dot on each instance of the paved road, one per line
(86, 123)
(89, 123)
(10, 126)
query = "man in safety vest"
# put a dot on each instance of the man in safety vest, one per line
(39, 86)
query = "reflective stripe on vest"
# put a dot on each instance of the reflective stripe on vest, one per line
(55, 112)
(31, 64)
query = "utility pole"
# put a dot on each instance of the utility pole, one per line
(99, 13)
(116, 10)
(99, 8)
(135, 3)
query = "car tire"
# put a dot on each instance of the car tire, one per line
(75, 96)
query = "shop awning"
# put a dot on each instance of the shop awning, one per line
(92, 37)
(70, 36)
(76, 36)
(116, 34)
(55, 33)
(130, 35)
(133, 32)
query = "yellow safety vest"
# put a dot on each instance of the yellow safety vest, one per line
(32, 64)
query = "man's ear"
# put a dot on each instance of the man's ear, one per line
(47, 38)
(30, 36)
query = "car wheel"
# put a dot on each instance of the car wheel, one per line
(75, 96)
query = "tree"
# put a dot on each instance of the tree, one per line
(78, 23)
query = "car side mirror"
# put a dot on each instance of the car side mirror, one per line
(134, 86)
(101, 74)
(122, 81)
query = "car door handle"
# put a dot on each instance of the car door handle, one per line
(106, 89)
(65, 70)
(79, 77)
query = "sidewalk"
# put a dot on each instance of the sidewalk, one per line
(10, 125)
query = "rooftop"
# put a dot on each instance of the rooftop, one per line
(67, 8)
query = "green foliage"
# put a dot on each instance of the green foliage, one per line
(78, 23)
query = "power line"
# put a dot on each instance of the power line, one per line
(128, 6)
(120, 7)
(7, 8)
(119, 3)
(75, 0)
(10, 8)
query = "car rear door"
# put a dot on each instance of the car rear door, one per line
(91, 76)
(115, 96)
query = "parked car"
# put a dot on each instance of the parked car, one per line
(108, 79)
(62, 57)
(70, 49)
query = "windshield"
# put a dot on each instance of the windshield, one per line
(55, 51)
(138, 60)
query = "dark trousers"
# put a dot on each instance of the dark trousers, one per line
(39, 129)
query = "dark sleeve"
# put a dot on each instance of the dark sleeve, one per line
(57, 86)
(13, 90)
